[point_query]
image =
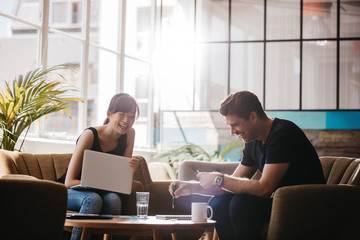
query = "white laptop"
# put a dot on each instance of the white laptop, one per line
(106, 172)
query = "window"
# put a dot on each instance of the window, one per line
(295, 55)
(59, 12)
(187, 56)
(76, 13)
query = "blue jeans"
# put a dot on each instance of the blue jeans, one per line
(99, 202)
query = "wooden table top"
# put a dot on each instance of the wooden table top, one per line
(131, 222)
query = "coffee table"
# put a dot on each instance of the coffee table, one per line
(133, 226)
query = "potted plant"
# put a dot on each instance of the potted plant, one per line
(26, 99)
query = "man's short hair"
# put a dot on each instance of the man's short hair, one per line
(241, 104)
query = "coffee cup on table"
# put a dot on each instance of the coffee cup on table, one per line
(199, 212)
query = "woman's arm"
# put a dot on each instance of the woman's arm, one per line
(85, 142)
(129, 149)
(130, 143)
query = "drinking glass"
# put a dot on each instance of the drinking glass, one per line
(142, 204)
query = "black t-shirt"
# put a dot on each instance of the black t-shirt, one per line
(119, 150)
(286, 143)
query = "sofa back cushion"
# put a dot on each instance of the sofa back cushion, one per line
(41, 166)
(340, 170)
(337, 170)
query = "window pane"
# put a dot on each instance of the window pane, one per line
(18, 52)
(60, 13)
(282, 75)
(177, 21)
(211, 76)
(350, 74)
(137, 85)
(8, 7)
(27, 10)
(105, 31)
(246, 70)
(138, 28)
(108, 81)
(60, 124)
(212, 20)
(319, 19)
(176, 76)
(76, 13)
(349, 18)
(66, 16)
(319, 75)
(247, 20)
(94, 20)
(283, 19)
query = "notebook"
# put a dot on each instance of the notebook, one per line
(87, 216)
(174, 217)
(106, 172)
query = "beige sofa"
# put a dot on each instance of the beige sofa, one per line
(50, 167)
(329, 211)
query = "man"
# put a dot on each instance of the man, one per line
(277, 148)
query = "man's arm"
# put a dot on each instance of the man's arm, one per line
(184, 188)
(264, 187)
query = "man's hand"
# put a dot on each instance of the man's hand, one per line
(207, 179)
(182, 188)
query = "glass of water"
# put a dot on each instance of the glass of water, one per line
(142, 204)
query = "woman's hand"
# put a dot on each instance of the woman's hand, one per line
(134, 164)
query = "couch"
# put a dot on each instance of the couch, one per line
(49, 167)
(299, 212)
(317, 211)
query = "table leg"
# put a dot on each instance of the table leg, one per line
(209, 235)
(157, 234)
(107, 236)
(173, 236)
(86, 234)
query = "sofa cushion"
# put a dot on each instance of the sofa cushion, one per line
(339, 170)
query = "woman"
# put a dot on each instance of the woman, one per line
(116, 136)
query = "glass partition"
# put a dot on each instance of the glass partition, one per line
(283, 19)
(350, 74)
(247, 68)
(319, 72)
(282, 75)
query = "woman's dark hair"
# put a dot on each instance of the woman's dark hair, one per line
(122, 102)
(241, 104)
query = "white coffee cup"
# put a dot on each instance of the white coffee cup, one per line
(199, 212)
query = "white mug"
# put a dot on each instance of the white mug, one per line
(199, 211)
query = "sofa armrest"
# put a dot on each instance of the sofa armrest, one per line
(315, 212)
(18, 176)
(28, 204)
(188, 168)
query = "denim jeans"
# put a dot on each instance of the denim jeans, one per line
(100, 202)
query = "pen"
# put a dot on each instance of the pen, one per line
(173, 199)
